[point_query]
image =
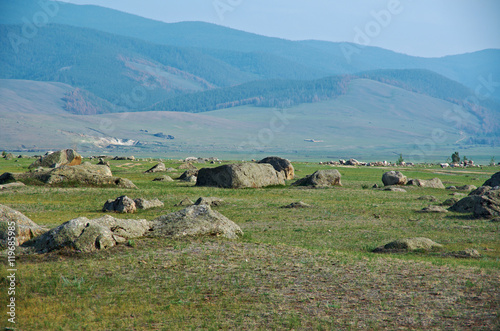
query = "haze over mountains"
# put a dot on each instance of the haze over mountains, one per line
(100, 61)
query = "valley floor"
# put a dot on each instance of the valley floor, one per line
(309, 268)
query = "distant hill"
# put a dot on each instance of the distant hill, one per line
(112, 67)
(370, 120)
(264, 57)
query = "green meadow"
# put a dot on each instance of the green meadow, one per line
(293, 269)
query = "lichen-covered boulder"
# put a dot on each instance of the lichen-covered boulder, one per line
(84, 174)
(195, 221)
(89, 235)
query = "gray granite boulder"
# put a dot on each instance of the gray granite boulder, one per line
(194, 221)
(89, 235)
(243, 175)
(23, 228)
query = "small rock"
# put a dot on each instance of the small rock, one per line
(451, 187)
(428, 198)
(433, 209)
(298, 204)
(160, 167)
(122, 204)
(11, 186)
(187, 166)
(185, 202)
(467, 188)
(163, 179)
(148, 204)
(394, 189)
(409, 244)
(188, 174)
(211, 201)
(449, 202)
(469, 253)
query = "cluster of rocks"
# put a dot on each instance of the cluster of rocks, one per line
(124, 158)
(57, 159)
(66, 167)
(484, 202)
(354, 162)
(397, 178)
(193, 159)
(89, 235)
(463, 164)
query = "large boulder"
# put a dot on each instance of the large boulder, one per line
(394, 178)
(89, 235)
(63, 157)
(243, 175)
(121, 204)
(23, 228)
(84, 174)
(483, 203)
(199, 220)
(409, 244)
(160, 167)
(321, 178)
(280, 165)
(493, 181)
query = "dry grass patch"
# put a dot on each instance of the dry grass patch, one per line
(214, 284)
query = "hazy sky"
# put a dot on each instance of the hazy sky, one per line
(416, 27)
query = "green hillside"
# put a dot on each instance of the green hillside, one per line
(111, 66)
(370, 120)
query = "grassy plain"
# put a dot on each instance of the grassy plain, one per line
(293, 269)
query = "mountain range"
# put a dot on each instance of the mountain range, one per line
(99, 61)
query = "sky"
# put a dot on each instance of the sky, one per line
(428, 28)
